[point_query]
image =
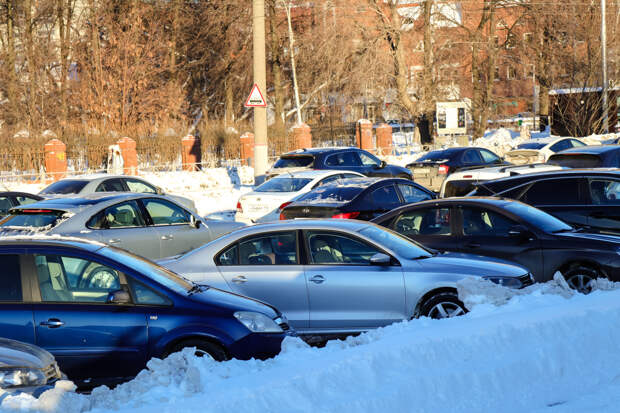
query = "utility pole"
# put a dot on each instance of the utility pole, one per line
(260, 78)
(604, 62)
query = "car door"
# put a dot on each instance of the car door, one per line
(347, 292)
(487, 232)
(384, 199)
(15, 298)
(411, 193)
(123, 225)
(111, 185)
(433, 227)
(371, 165)
(90, 336)
(345, 160)
(139, 186)
(471, 157)
(489, 158)
(267, 267)
(603, 210)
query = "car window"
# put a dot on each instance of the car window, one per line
(145, 295)
(5, 205)
(229, 257)
(76, 280)
(343, 159)
(142, 187)
(294, 161)
(347, 176)
(124, 215)
(39, 219)
(368, 159)
(576, 143)
(65, 186)
(412, 194)
(111, 185)
(327, 180)
(283, 184)
(386, 196)
(471, 156)
(25, 200)
(10, 282)
(576, 160)
(553, 192)
(269, 249)
(604, 191)
(165, 213)
(427, 221)
(561, 145)
(488, 156)
(478, 221)
(330, 248)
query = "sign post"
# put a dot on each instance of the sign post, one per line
(260, 80)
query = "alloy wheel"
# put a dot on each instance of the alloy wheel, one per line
(445, 309)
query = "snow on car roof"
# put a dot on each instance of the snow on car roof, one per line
(314, 173)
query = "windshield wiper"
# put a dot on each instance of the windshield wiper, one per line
(197, 288)
(559, 231)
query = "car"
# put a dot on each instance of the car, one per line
(266, 201)
(432, 168)
(152, 226)
(509, 230)
(339, 158)
(356, 198)
(89, 184)
(26, 368)
(104, 313)
(584, 198)
(339, 277)
(11, 199)
(591, 156)
(539, 150)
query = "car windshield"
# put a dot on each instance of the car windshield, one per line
(576, 161)
(331, 194)
(159, 274)
(536, 217)
(37, 220)
(66, 186)
(437, 156)
(531, 145)
(293, 161)
(401, 245)
(283, 184)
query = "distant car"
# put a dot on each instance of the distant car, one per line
(512, 231)
(356, 198)
(592, 156)
(89, 184)
(9, 200)
(104, 313)
(337, 277)
(152, 226)
(539, 150)
(266, 201)
(432, 168)
(342, 159)
(25, 368)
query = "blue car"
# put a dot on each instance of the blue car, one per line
(103, 312)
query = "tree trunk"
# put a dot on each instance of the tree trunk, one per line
(32, 70)
(292, 54)
(12, 79)
(401, 73)
(175, 29)
(428, 101)
(229, 116)
(64, 16)
(276, 70)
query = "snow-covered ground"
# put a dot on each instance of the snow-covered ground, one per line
(542, 349)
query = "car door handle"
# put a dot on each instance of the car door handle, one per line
(167, 237)
(114, 241)
(472, 245)
(317, 279)
(52, 323)
(240, 279)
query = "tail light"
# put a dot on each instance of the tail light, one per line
(347, 215)
(443, 169)
(239, 208)
(282, 217)
(36, 211)
(284, 205)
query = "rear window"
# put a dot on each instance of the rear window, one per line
(283, 184)
(531, 145)
(37, 221)
(331, 194)
(576, 161)
(66, 186)
(436, 156)
(294, 161)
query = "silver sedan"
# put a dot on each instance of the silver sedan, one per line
(339, 276)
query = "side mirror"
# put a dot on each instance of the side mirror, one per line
(118, 297)
(194, 222)
(159, 191)
(383, 165)
(380, 259)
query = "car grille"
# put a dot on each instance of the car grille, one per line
(52, 372)
(526, 279)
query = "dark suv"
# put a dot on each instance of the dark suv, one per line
(595, 156)
(348, 159)
(587, 198)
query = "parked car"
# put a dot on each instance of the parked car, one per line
(89, 184)
(432, 168)
(358, 198)
(26, 368)
(592, 156)
(337, 277)
(584, 198)
(9, 200)
(267, 200)
(510, 230)
(152, 226)
(539, 150)
(103, 312)
(342, 159)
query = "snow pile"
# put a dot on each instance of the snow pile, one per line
(499, 141)
(600, 139)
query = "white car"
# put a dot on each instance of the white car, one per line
(265, 202)
(539, 150)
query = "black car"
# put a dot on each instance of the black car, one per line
(513, 231)
(356, 198)
(595, 156)
(346, 159)
(9, 200)
(587, 198)
(449, 160)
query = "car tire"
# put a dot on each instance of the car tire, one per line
(443, 305)
(203, 348)
(579, 277)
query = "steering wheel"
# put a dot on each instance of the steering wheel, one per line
(100, 278)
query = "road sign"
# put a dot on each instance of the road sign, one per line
(255, 100)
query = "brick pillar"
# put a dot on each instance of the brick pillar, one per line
(55, 159)
(190, 153)
(302, 136)
(363, 135)
(247, 148)
(129, 154)
(384, 138)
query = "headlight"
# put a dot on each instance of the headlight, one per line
(257, 322)
(510, 282)
(21, 377)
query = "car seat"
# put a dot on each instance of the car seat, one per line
(322, 253)
(48, 292)
(124, 218)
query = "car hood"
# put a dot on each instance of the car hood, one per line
(472, 265)
(17, 354)
(234, 302)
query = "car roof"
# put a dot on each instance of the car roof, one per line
(303, 223)
(79, 202)
(18, 193)
(312, 151)
(548, 140)
(610, 172)
(314, 173)
(40, 240)
(590, 149)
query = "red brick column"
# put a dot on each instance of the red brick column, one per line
(247, 148)
(302, 136)
(384, 138)
(190, 153)
(363, 135)
(129, 154)
(55, 159)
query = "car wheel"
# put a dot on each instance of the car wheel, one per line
(443, 305)
(580, 278)
(203, 349)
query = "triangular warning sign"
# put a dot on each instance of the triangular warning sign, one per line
(255, 100)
